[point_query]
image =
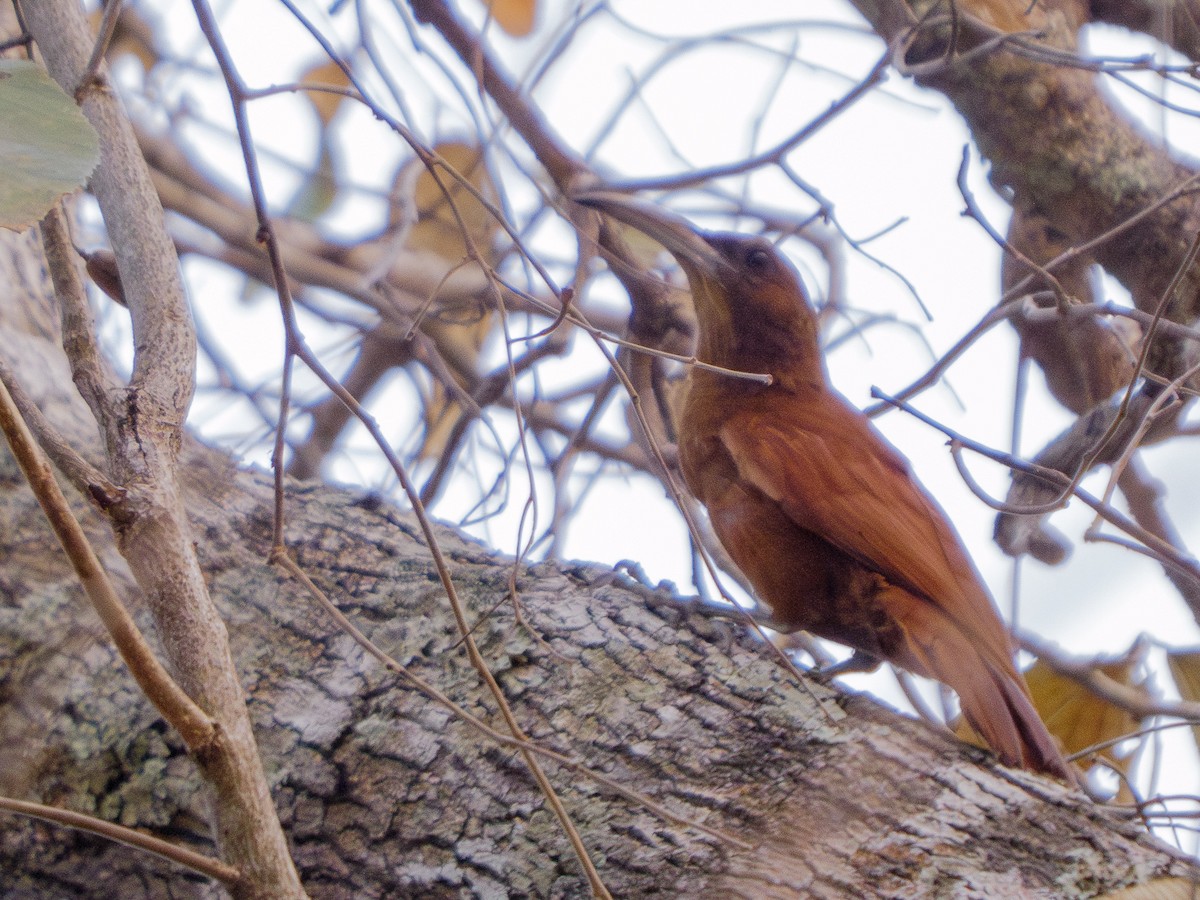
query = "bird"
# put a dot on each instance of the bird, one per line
(822, 515)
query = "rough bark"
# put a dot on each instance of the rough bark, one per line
(1072, 161)
(384, 793)
(1090, 169)
(142, 424)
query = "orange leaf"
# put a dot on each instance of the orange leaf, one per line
(516, 17)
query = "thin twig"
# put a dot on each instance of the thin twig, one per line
(1162, 550)
(523, 743)
(1087, 674)
(296, 348)
(108, 25)
(773, 156)
(189, 720)
(189, 859)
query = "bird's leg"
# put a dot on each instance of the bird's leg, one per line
(859, 661)
(631, 576)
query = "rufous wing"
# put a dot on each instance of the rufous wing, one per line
(833, 474)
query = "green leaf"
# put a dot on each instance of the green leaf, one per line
(47, 147)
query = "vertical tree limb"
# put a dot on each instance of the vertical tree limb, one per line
(143, 429)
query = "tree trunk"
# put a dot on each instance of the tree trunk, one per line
(778, 787)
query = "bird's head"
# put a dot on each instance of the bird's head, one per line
(753, 312)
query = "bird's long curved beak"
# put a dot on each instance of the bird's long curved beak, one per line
(681, 239)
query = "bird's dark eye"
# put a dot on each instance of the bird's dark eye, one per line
(758, 259)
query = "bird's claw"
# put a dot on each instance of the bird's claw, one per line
(859, 661)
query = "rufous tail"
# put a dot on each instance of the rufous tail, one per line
(993, 695)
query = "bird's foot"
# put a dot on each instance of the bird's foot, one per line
(632, 576)
(859, 661)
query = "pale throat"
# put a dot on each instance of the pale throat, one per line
(715, 320)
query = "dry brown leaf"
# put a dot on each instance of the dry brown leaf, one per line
(1078, 717)
(133, 36)
(1185, 669)
(320, 187)
(458, 335)
(326, 103)
(459, 344)
(441, 414)
(437, 227)
(101, 266)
